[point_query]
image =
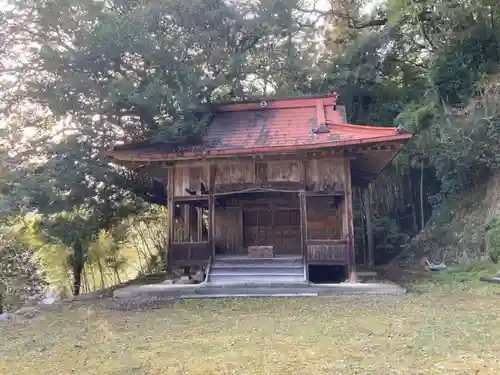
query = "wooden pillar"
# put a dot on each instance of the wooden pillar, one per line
(187, 223)
(199, 212)
(303, 229)
(367, 197)
(211, 209)
(211, 224)
(350, 226)
(170, 218)
(303, 173)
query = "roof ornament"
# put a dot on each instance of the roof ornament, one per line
(401, 130)
(321, 128)
(263, 104)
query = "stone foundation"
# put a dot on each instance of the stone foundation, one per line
(261, 251)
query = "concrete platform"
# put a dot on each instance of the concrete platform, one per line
(256, 290)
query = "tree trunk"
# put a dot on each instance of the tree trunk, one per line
(413, 208)
(117, 273)
(78, 264)
(93, 277)
(77, 275)
(139, 256)
(422, 218)
(363, 232)
(99, 265)
(369, 230)
(86, 282)
(1, 303)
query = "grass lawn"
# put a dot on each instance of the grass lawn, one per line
(445, 330)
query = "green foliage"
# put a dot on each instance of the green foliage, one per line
(493, 239)
(20, 276)
(462, 64)
(105, 255)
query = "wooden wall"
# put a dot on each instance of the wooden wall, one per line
(283, 171)
(272, 219)
(312, 175)
(242, 172)
(228, 230)
(189, 177)
(324, 218)
(324, 174)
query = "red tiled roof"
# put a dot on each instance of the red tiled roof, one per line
(274, 125)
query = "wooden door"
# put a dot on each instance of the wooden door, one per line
(279, 228)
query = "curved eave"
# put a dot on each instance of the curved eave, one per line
(367, 166)
(137, 155)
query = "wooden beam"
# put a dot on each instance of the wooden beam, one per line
(241, 188)
(353, 150)
(350, 226)
(292, 155)
(191, 198)
(325, 193)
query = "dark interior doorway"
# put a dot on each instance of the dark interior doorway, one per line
(327, 274)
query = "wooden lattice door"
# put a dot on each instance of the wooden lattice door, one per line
(279, 228)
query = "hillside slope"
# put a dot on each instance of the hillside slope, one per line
(456, 233)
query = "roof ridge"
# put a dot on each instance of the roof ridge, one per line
(362, 127)
(272, 103)
(270, 98)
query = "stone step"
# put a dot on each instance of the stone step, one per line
(257, 261)
(252, 264)
(262, 265)
(255, 275)
(247, 295)
(254, 279)
(255, 288)
(242, 270)
(366, 273)
(257, 270)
